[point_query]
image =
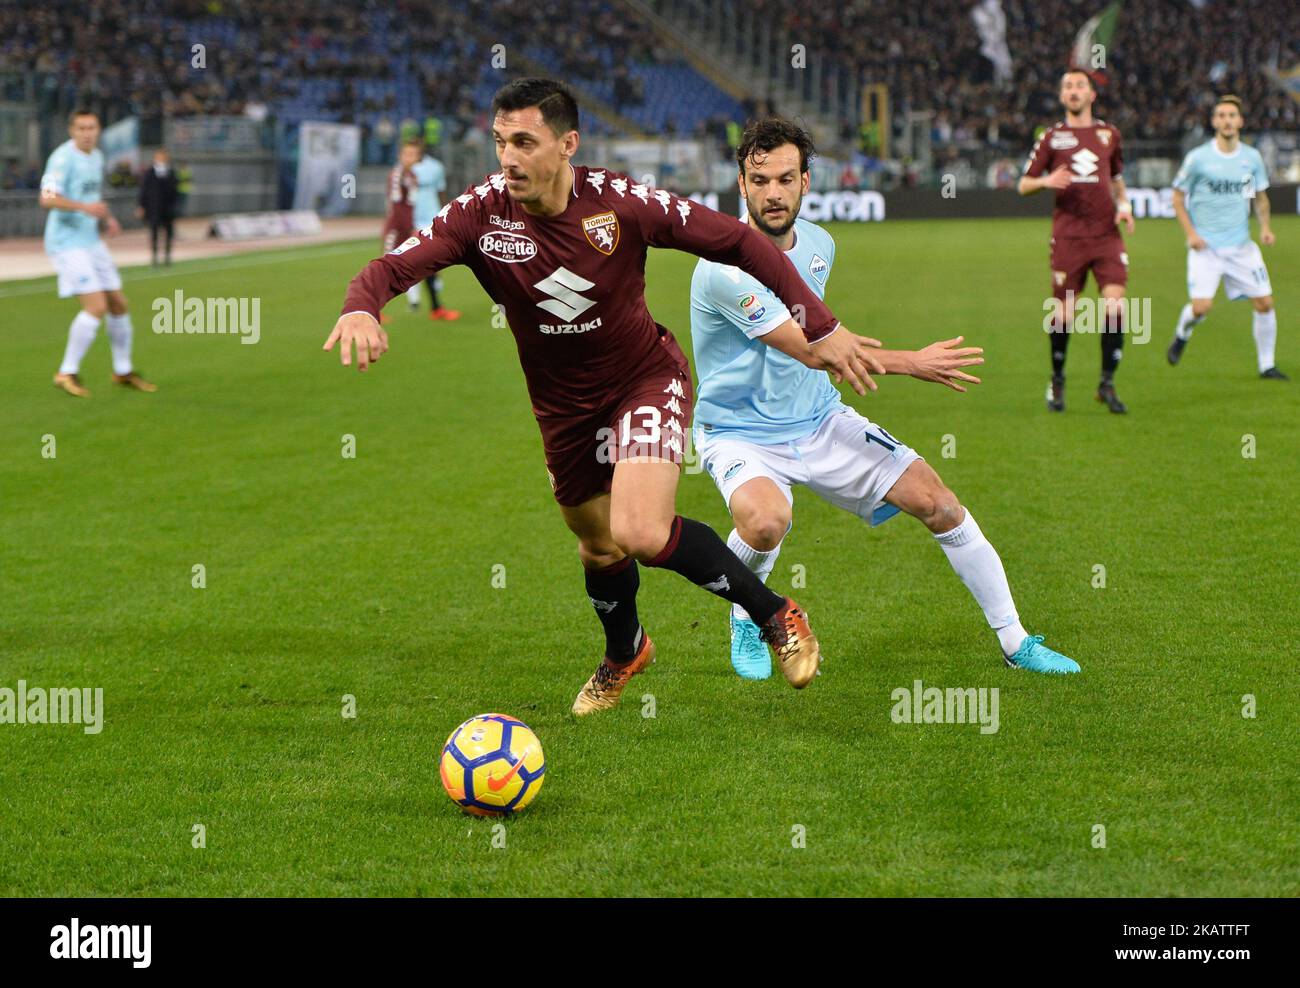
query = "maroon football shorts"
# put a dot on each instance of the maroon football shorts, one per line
(650, 416)
(1073, 258)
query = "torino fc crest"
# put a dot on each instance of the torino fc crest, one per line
(602, 231)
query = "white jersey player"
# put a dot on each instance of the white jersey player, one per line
(1212, 195)
(71, 190)
(766, 419)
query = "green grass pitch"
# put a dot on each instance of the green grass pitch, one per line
(373, 577)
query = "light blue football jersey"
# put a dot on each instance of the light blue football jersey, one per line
(428, 171)
(78, 176)
(1219, 188)
(747, 388)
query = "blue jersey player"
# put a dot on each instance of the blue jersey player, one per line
(431, 179)
(766, 419)
(1212, 195)
(71, 192)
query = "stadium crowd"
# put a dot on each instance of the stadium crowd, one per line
(1169, 57)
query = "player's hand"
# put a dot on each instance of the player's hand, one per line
(363, 330)
(1125, 217)
(1195, 242)
(847, 357)
(942, 363)
(1058, 179)
(112, 227)
(1266, 238)
(98, 210)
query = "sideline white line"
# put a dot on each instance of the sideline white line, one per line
(235, 261)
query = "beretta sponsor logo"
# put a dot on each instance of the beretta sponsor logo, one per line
(508, 247)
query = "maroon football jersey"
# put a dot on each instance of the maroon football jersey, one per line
(573, 285)
(1085, 208)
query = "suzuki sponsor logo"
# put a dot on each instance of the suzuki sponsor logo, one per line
(510, 248)
(1084, 165)
(563, 286)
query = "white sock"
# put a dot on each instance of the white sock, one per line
(119, 339)
(760, 563)
(1186, 322)
(1265, 338)
(978, 565)
(80, 335)
(413, 294)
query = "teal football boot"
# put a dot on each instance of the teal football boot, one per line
(1037, 657)
(749, 655)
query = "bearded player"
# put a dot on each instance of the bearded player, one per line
(768, 421)
(1212, 195)
(1080, 159)
(562, 249)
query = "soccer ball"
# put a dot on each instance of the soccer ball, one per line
(492, 765)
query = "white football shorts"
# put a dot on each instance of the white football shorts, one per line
(1241, 268)
(847, 460)
(83, 270)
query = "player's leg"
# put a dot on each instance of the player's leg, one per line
(436, 310)
(169, 234)
(645, 524)
(1246, 276)
(754, 481)
(1111, 336)
(1204, 271)
(119, 338)
(81, 334)
(1265, 332)
(920, 493)
(612, 578)
(1068, 275)
(154, 226)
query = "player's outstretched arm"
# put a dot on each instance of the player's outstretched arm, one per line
(439, 245)
(789, 339)
(940, 363)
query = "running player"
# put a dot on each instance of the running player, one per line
(1080, 159)
(768, 421)
(562, 249)
(71, 192)
(1212, 194)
